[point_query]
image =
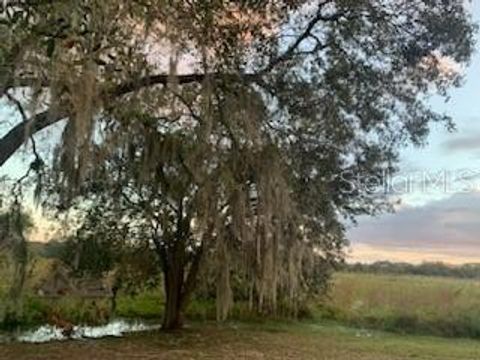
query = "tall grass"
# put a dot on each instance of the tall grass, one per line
(408, 304)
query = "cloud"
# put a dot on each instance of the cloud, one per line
(448, 228)
(463, 143)
(466, 139)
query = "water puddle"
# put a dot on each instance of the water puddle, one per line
(48, 333)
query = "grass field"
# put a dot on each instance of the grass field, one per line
(409, 304)
(247, 341)
(347, 325)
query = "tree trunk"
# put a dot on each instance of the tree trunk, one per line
(172, 315)
(179, 289)
(180, 271)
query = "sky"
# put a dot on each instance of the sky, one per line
(438, 218)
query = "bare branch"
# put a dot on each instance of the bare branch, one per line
(307, 33)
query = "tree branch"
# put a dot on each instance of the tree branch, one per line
(15, 138)
(292, 49)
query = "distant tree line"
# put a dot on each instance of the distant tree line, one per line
(466, 271)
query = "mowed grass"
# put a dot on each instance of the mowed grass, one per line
(408, 304)
(248, 341)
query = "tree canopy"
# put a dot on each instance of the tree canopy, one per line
(234, 128)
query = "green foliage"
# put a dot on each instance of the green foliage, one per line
(89, 256)
(205, 310)
(15, 221)
(14, 225)
(103, 247)
(37, 311)
(144, 305)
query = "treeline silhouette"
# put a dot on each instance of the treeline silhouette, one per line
(466, 271)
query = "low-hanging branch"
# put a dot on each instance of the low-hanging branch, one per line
(15, 138)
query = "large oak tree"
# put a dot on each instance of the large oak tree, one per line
(281, 104)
